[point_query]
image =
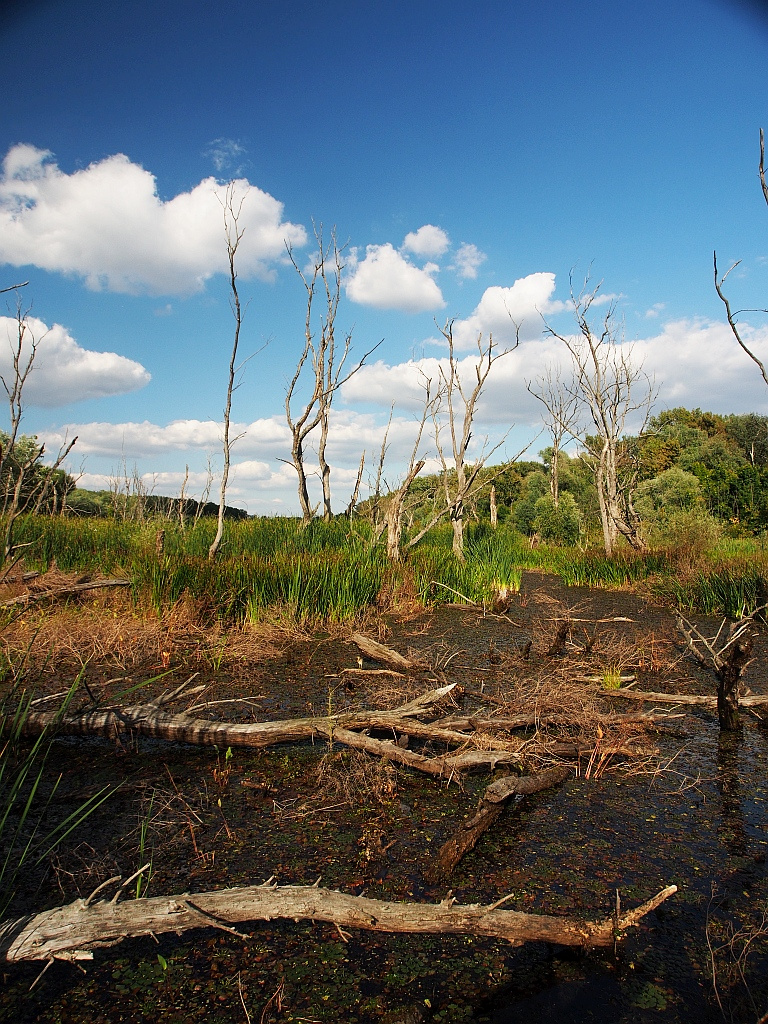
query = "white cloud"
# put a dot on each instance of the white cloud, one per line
(63, 371)
(226, 154)
(146, 439)
(656, 310)
(467, 260)
(427, 241)
(385, 279)
(107, 224)
(500, 309)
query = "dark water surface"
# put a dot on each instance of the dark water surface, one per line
(701, 824)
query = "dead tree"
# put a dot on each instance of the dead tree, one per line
(732, 315)
(609, 388)
(325, 366)
(71, 932)
(460, 406)
(26, 483)
(393, 517)
(559, 416)
(727, 654)
(232, 205)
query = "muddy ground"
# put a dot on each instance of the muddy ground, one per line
(688, 809)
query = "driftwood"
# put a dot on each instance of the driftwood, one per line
(71, 932)
(151, 720)
(68, 591)
(489, 808)
(385, 655)
(750, 700)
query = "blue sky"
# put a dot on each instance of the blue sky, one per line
(470, 154)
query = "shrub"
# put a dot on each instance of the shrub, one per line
(559, 523)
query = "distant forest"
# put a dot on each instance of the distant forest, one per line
(690, 470)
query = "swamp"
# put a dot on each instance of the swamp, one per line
(375, 779)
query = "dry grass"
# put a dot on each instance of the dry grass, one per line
(353, 777)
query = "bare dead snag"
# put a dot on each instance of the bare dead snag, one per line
(727, 654)
(71, 932)
(489, 808)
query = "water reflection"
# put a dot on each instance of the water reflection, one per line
(731, 828)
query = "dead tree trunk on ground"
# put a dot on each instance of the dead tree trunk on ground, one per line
(71, 932)
(489, 808)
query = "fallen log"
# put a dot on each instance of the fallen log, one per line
(73, 931)
(150, 720)
(489, 808)
(751, 700)
(68, 591)
(385, 655)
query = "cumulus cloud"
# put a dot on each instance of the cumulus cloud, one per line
(467, 260)
(385, 279)
(134, 440)
(429, 241)
(107, 225)
(501, 309)
(63, 371)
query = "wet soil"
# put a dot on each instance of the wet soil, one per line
(207, 820)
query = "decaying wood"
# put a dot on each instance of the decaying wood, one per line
(385, 655)
(150, 720)
(749, 700)
(489, 808)
(71, 932)
(68, 591)
(728, 654)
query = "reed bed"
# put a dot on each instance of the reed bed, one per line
(335, 572)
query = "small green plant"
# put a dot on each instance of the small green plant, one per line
(611, 678)
(141, 884)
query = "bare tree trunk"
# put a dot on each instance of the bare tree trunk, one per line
(319, 353)
(609, 388)
(394, 514)
(356, 492)
(494, 507)
(233, 234)
(68, 932)
(19, 462)
(459, 427)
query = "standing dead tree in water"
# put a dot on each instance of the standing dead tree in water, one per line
(610, 388)
(720, 281)
(325, 365)
(25, 483)
(560, 415)
(727, 654)
(460, 405)
(232, 205)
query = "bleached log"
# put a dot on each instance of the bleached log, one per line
(749, 701)
(385, 655)
(68, 591)
(73, 931)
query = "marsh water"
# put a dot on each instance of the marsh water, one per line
(205, 820)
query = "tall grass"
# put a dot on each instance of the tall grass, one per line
(330, 571)
(26, 837)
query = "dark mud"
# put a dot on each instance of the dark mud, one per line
(206, 820)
